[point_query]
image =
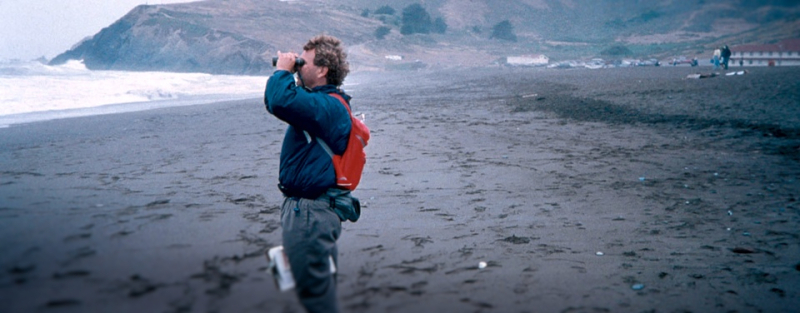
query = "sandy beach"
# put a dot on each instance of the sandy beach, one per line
(485, 190)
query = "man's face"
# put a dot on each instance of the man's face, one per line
(312, 75)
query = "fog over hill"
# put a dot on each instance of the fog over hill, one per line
(232, 37)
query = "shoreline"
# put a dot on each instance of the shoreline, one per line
(114, 108)
(690, 193)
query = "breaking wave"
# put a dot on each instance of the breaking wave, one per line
(34, 91)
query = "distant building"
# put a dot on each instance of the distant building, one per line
(784, 53)
(528, 60)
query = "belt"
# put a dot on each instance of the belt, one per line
(295, 194)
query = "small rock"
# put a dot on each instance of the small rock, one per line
(22, 269)
(62, 303)
(741, 250)
(517, 240)
(697, 276)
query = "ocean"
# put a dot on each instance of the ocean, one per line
(31, 91)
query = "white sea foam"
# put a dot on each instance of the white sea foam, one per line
(31, 91)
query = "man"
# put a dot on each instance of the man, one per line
(726, 56)
(310, 225)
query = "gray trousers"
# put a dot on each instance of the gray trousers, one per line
(310, 230)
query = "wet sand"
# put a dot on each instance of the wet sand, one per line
(614, 190)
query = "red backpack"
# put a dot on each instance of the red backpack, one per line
(349, 165)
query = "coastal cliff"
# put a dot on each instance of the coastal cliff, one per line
(223, 37)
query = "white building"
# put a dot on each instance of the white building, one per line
(528, 60)
(784, 53)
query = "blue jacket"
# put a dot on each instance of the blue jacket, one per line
(306, 169)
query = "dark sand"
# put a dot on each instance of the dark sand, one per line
(687, 187)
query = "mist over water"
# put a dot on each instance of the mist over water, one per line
(32, 91)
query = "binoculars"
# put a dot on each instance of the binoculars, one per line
(297, 62)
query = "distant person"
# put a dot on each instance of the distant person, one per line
(310, 224)
(741, 62)
(716, 58)
(726, 56)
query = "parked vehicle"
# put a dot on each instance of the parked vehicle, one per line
(650, 62)
(595, 64)
(684, 60)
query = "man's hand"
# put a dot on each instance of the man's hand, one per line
(286, 61)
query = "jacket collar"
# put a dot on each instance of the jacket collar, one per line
(329, 89)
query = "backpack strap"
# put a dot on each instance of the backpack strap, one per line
(320, 141)
(324, 146)
(338, 96)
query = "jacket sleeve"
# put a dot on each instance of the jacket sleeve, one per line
(318, 113)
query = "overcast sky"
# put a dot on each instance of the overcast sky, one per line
(33, 28)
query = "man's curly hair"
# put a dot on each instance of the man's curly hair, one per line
(330, 53)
